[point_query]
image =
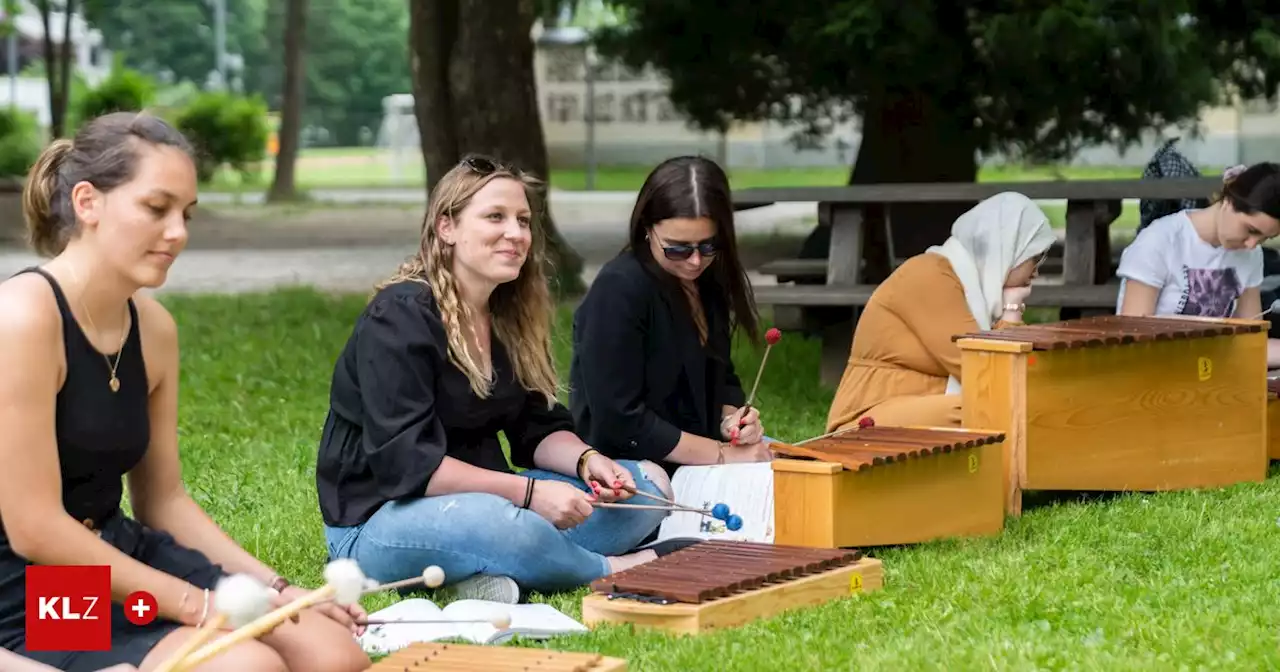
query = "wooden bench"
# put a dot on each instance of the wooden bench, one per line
(1092, 206)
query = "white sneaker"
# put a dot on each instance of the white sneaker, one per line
(493, 588)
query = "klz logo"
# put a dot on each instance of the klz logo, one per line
(68, 608)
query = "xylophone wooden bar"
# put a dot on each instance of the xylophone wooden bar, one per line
(719, 584)
(880, 486)
(1120, 403)
(433, 657)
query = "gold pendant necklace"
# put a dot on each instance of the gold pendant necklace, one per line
(113, 382)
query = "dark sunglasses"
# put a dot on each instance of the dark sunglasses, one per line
(485, 166)
(681, 252)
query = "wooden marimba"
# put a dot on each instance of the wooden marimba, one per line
(1121, 403)
(722, 584)
(1273, 418)
(432, 657)
(879, 486)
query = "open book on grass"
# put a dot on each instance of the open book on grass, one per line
(534, 621)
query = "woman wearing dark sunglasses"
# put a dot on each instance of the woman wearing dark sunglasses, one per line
(651, 377)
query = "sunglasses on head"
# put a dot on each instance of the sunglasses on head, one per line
(485, 165)
(682, 251)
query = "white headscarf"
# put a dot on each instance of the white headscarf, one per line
(988, 242)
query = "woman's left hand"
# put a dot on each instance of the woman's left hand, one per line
(350, 616)
(742, 429)
(615, 481)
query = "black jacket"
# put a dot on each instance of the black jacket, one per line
(398, 406)
(639, 376)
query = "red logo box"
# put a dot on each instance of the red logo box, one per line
(68, 608)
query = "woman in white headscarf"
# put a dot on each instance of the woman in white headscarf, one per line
(903, 367)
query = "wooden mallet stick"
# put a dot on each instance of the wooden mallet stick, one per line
(344, 584)
(863, 423)
(771, 339)
(237, 599)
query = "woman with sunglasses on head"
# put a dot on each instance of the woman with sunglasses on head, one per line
(903, 367)
(450, 351)
(89, 374)
(651, 376)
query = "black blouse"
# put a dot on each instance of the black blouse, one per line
(640, 376)
(398, 406)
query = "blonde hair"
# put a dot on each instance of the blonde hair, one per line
(521, 309)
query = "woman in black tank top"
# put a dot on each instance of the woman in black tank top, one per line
(88, 396)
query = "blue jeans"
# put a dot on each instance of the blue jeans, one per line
(478, 533)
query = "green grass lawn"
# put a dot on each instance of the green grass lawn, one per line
(1138, 582)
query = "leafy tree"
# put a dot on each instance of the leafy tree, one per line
(475, 91)
(936, 83)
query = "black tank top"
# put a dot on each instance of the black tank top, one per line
(101, 434)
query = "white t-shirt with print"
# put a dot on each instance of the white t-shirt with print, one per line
(1194, 277)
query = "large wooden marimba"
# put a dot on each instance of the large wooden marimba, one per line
(880, 486)
(1121, 403)
(722, 584)
(1273, 418)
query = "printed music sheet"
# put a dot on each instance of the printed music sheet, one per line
(747, 489)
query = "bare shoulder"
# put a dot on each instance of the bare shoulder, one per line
(31, 319)
(156, 322)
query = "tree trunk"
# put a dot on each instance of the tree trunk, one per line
(475, 91)
(905, 139)
(433, 25)
(64, 65)
(284, 186)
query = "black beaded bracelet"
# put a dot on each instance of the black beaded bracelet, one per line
(528, 494)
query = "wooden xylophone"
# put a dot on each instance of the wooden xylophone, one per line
(425, 657)
(722, 584)
(1121, 403)
(879, 486)
(1273, 418)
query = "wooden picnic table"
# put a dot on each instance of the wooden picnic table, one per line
(1087, 277)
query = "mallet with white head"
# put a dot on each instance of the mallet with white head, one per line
(237, 599)
(344, 584)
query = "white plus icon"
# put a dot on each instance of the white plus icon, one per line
(141, 608)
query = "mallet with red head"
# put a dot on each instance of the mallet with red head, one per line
(771, 338)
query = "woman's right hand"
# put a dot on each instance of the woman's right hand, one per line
(564, 505)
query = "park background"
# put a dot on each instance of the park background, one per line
(316, 177)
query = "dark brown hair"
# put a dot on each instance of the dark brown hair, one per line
(694, 187)
(104, 154)
(1255, 189)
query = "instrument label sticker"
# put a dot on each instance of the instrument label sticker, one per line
(973, 463)
(855, 583)
(1204, 368)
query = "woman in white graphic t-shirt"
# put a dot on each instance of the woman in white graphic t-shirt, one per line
(1207, 262)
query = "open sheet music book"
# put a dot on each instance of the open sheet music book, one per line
(746, 488)
(534, 621)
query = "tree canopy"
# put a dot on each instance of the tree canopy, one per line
(1032, 79)
(937, 83)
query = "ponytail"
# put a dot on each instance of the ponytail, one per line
(42, 202)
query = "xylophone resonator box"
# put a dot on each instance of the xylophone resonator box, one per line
(719, 584)
(1119, 403)
(1273, 418)
(880, 486)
